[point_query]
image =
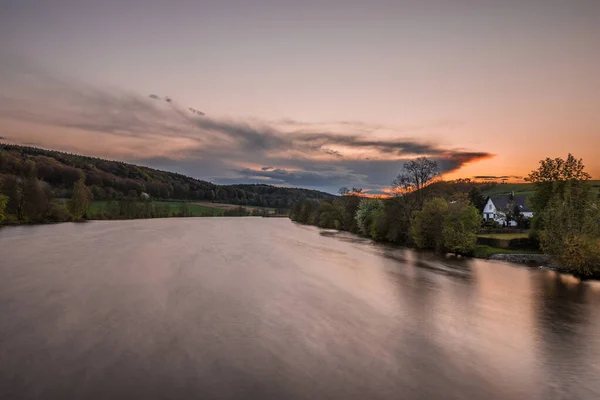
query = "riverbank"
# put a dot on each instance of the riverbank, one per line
(524, 257)
(127, 210)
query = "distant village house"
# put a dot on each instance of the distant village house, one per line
(504, 207)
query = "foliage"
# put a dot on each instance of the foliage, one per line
(380, 226)
(415, 176)
(58, 212)
(572, 229)
(80, 200)
(550, 179)
(428, 224)
(113, 180)
(330, 215)
(366, 213)
(477, 198)
(398, 213)
(36, 200)
(3, 203)
(461, 225)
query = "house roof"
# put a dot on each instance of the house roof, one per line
(501, 202)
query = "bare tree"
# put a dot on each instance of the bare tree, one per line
(416, 175)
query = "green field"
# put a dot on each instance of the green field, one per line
(505, 236)
(173, 208)
(527, 189)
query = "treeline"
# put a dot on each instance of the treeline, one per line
(113, 180)
(440, 217)
(446, 216)
(29, 200)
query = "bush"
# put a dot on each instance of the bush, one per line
(59, 213)
(428, 225)
(490, 224)
(572, 230)
(581, 253)
(461, 224)
(3, 203)
(379, 227)
(365, 215)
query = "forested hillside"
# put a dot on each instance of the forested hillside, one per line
(114, 180)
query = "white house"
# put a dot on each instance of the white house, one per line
(497, 207)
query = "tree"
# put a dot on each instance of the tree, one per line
(428, 224)
(550, 179)
(415, 176)
(13, 189)
(306, 212)
(331, 215)
(398, 212)
(3, 203)
(476, 198)
(80, 200)
(365, 215)
(36, 202)
(461, 224)
(572, 230)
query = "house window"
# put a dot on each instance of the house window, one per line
(490, 207)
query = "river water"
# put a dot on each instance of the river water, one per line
(236, 308)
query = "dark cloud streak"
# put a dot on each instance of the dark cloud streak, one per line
(295, 157)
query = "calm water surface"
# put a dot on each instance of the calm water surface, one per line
(238, 308)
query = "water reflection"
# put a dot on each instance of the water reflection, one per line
(259, 308)
(567, 345)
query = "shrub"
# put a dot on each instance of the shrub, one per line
(3, 203)
(59, 213)
(428, 224)
(461, 224)
(365, 215)
(581, 253)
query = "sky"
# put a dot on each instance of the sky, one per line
(316, 94)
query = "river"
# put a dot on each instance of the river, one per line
(241, 308)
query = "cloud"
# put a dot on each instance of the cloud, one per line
(114, 123)
(335, 178)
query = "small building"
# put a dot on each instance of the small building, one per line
(497, 208)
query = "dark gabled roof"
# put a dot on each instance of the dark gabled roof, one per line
(501, 202)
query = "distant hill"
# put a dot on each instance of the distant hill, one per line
(110, 180)
(526, 189)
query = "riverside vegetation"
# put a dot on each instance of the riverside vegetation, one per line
(428, 214)
(38, 186)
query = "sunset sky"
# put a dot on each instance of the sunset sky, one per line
(317, 94)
